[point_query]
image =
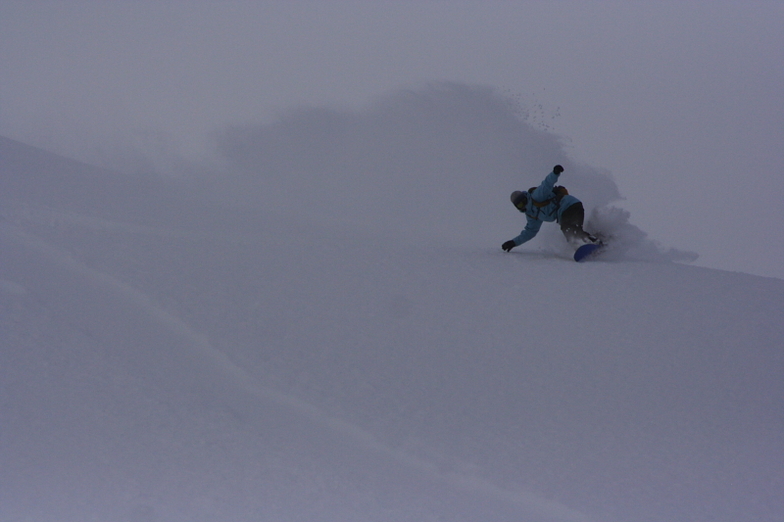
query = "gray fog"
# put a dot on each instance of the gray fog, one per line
(680, 102)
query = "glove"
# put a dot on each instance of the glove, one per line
(558, 169)
(508, 246)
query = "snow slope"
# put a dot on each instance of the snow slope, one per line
(186, 351)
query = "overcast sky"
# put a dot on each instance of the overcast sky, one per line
(682, 101)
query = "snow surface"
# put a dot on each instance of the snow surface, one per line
(326, 329)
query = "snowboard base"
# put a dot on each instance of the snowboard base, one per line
(586, 252)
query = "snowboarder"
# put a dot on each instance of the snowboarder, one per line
(548, 202)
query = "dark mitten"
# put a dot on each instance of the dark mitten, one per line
(508, 246)
(558, 169)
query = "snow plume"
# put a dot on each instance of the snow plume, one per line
(437, 162)
(626, 241)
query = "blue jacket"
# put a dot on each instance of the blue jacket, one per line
(550, 212)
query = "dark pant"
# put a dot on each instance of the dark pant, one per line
(572, 223)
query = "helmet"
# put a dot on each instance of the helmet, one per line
(519, 200)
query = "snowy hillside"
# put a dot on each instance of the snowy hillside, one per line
(329, 331)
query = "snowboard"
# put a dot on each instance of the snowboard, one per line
(586, 252)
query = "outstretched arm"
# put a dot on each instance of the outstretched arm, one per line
(531, 229)
(545, 190)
